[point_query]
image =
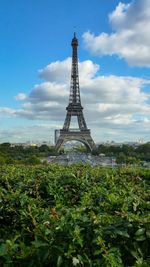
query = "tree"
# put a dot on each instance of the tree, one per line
(43, 148)
(2, 160)
(121, 158)
(33, 160)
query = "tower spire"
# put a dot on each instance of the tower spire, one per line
(74, 85)
(75, 108)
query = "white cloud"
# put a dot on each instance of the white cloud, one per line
(113, 105)
(48, 91)
(58, 71)
(130, 38)
(7, 111)
(21, 97)
(34, 133)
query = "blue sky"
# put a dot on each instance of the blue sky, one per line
(114, 56)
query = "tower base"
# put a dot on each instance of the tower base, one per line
(82, 136)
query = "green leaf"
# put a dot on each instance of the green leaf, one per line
(59, 261)
(3, 250)
(140, 231)
(140, 238)
(75, 261)
(122, 233)
(148, 233)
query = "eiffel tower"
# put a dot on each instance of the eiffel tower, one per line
(75, 108)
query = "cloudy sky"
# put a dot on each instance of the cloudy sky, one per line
(35, 67)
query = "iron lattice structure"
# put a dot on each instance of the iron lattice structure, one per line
(75, 108)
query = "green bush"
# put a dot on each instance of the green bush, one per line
(74, 216)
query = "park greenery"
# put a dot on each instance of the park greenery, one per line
(19, 154)
(127, 153)
(52, 215)
(124, 154)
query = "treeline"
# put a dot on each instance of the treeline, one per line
(126, 153)
(27, 155)
(33, 154)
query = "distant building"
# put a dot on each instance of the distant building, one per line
(31, 143)
(57, 134)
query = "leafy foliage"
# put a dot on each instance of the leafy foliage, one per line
(126, 153)
(74, 216)
(20, 154)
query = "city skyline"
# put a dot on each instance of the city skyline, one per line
(35, 67)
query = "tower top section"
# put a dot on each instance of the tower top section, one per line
(74, 40)
(74, 98)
